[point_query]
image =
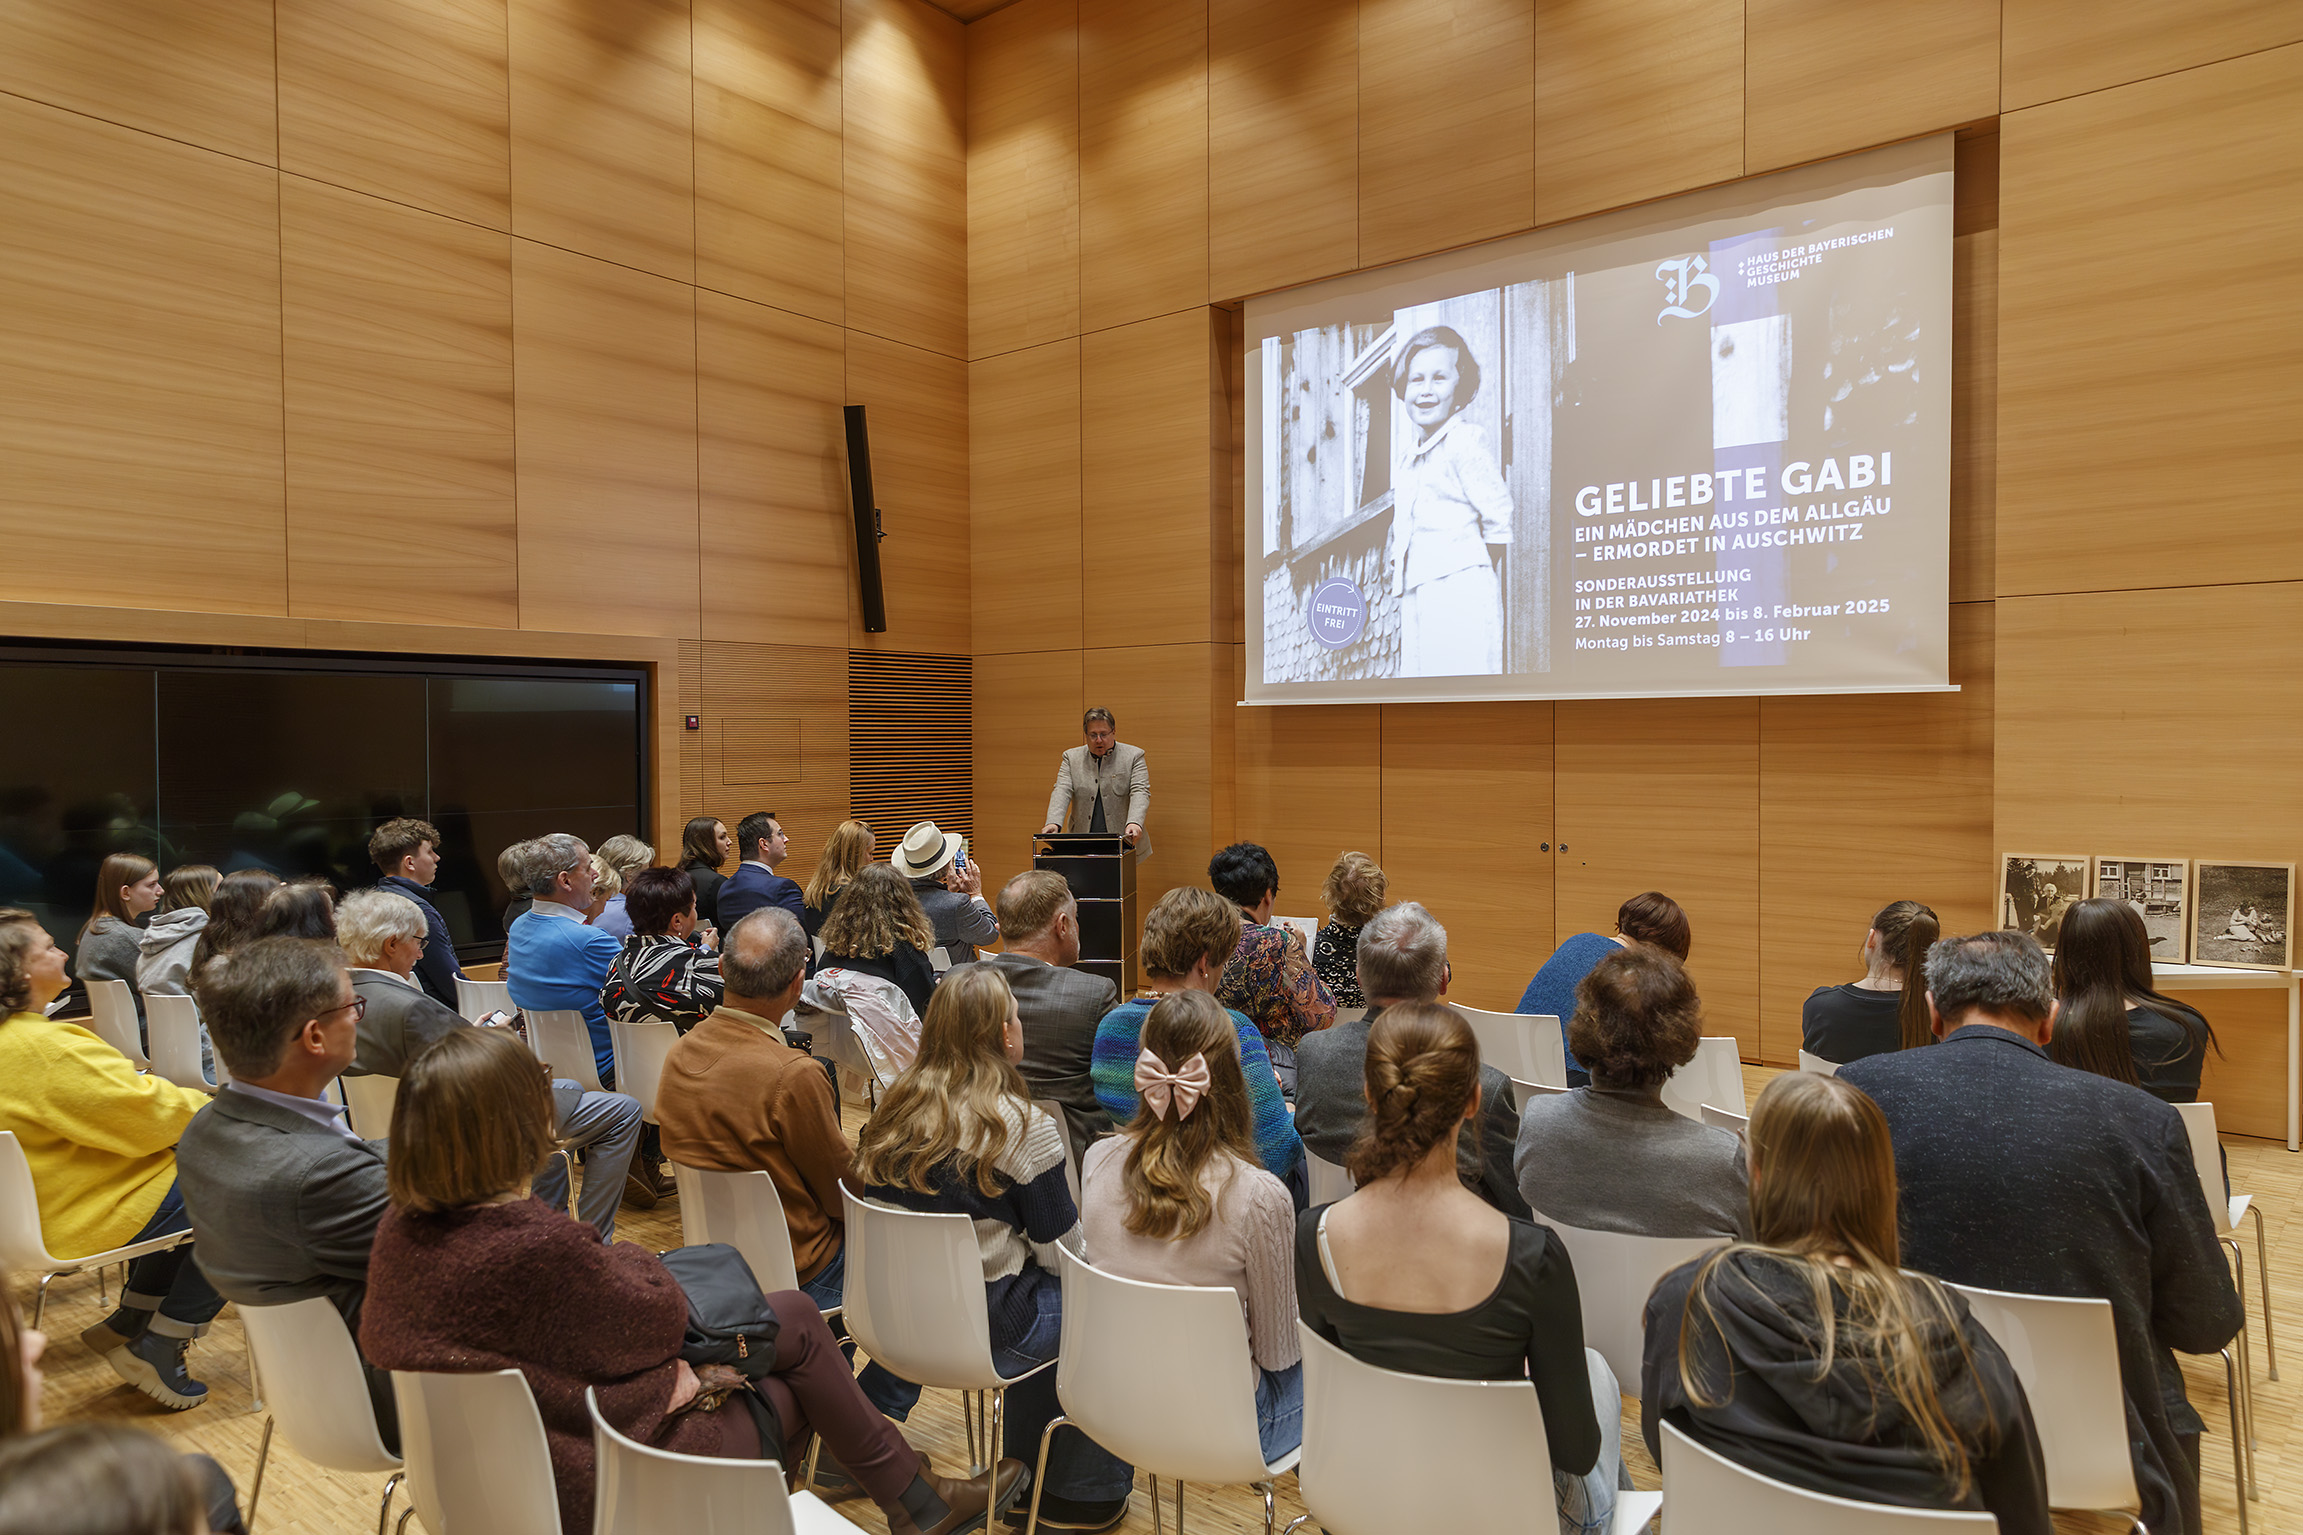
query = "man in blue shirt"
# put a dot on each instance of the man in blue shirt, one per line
(762, 843)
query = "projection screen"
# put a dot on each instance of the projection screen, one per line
(1697, 447)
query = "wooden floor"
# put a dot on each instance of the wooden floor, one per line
(302, 1499)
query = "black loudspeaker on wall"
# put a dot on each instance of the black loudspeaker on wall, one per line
(868, 530)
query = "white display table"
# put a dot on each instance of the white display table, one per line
(2215, 978)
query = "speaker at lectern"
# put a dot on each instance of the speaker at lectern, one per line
(1101, 870)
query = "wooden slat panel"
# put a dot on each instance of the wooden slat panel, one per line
(1024, 498)
(917, 406)
(792, 701)
(691, 701)
(1165, 697)
(399, 405)
(770, 216)
(2055, 48)
(606, 415)
(1283, 142)
(1664, 795)
(1865, 800)
(2136, 412)
(904, 160)
(1975, 378)
(1143, 159)
(2246, 1080)
(910, 757)
(778, 534)
(1467, 807)
(1023, 177)
(1309, 786)
(407, 99)
(139, 369)
(1634, 99)
(200, 73)
(1146, 427)
(1027, 713)
(1822, 77)
(1446, 124)
(603, 141)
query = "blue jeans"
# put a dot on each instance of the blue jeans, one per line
(1587, 1502)
(170, 1284)
(883, 1388)
(1279, 1410)
(1078, 1467)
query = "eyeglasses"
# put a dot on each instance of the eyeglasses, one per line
(357, 1007)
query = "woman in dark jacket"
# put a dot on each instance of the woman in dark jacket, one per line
(705, 847)
(1902, 1399)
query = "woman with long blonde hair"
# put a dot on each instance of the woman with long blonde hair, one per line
(1808, 1355)
(847, 853)
(956, 1134)
(879, 929)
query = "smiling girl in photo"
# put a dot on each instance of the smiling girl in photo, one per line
(1451, 517)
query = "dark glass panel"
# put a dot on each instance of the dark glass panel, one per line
(75, 784)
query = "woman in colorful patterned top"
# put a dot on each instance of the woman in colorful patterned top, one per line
(1269, 977)
(1353, 892)
(668, 971)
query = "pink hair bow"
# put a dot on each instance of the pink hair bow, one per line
(1158, 1087)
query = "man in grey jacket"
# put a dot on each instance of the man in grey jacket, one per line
(1060, 1006)
(950, 892)
(1094, 780)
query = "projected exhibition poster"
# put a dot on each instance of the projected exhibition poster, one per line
(1697, 447)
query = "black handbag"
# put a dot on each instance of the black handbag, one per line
(729, 1320)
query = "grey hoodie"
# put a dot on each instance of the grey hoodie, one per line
(167, 951)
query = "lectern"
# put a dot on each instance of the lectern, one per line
(1101, 870)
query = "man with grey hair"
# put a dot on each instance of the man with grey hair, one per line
(1402, 958)
(2017, 1174)
(554, 960)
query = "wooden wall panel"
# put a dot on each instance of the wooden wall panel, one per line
(770, 215)
(398, 374)
(407, 99)
(2246, 1076)
(1165, 698)
(1664, 795)
(918, 407)
(1865, 800)
(1027, 713)
(1023, 177)
(606, 416)
(1146, 427)
(1283, 143)
(776, 526)
(2147, 425)
(1975, 373)
(1467, 809)
(1143, 159)
(2055, 48)
(1024, 530)
(199, 73)
(788, 694)
(1634, 99)
(1822, 77)
(140, 434)
(603, 131)
(1309, 786)
(904, 161)
(1446, 124)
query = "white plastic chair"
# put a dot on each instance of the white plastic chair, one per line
(1055, 1111)
(319, 1395)
(174, 1023)
(1705, 1493)
(1614, 1274)
(1307, 926)
(1821, 1068)
(477, 999)
(368, 1101)
(1723, 1119)
(2228, 1208)
(1715, 1076)
(563, 1041)
(1521, 1092)
(641, 1490)
(940, 958)
(477, 1459)
(1161, 1376)
(1329, 1181)
(112, 1018)
(744, 1211)
(23, 1250)
(640, 1049)
(1526, 1047)
(1385, 1452)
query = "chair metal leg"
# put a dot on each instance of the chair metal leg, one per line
(2263, 1279)
(410, 1512)
(1300, 1520)
(2246, 1351)
(1157, 1527)
(1179, 1507)
(40, 1302)
(1040, 1478)
(1270, 1508)
(384, 1512)
(968, 1421)
(104, 1284)
(994, 1428)
(2238, 1441)
(256, 1489)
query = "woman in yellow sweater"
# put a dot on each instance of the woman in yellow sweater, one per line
(102, 1143)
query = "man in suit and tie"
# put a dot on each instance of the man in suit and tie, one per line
(1103, 786)
(761, 843)
(1060, 1007)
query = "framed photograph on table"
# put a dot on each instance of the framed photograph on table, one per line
(2159, 890)
(2036, 889)
(2241, 915)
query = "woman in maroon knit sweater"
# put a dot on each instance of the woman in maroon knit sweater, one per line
(469, 1273)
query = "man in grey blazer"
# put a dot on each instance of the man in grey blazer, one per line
(1093, 780)
(1060, 1007)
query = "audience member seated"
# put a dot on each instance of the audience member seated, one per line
(846, 854)
(2109, 1018)
(1188, 936)
(1060, 1006)
(607, 884)
(469, 1273)
(668, 971)
(1401, 956)
(2019, 1174)
(1812, 1358)
(304, 908)
(100, 1140)
(878, 929)
(407, 853)
(1354, 893)
(176, 941)
(957, 1134)
(1269, 976)
(1887, 1009)
(1609, 1156)
(1177, 1197)
(705, 848)
(128, 888)
(952, 897)
(554, 961)
(627, 855)
(1415, 1273)
(508, 870)
(283, 1194)
(1650, 918)
(108, 1479)
(761, 841)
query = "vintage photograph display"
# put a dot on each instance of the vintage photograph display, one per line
(2036, 889)
(2159, 889)
(2242, 915)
